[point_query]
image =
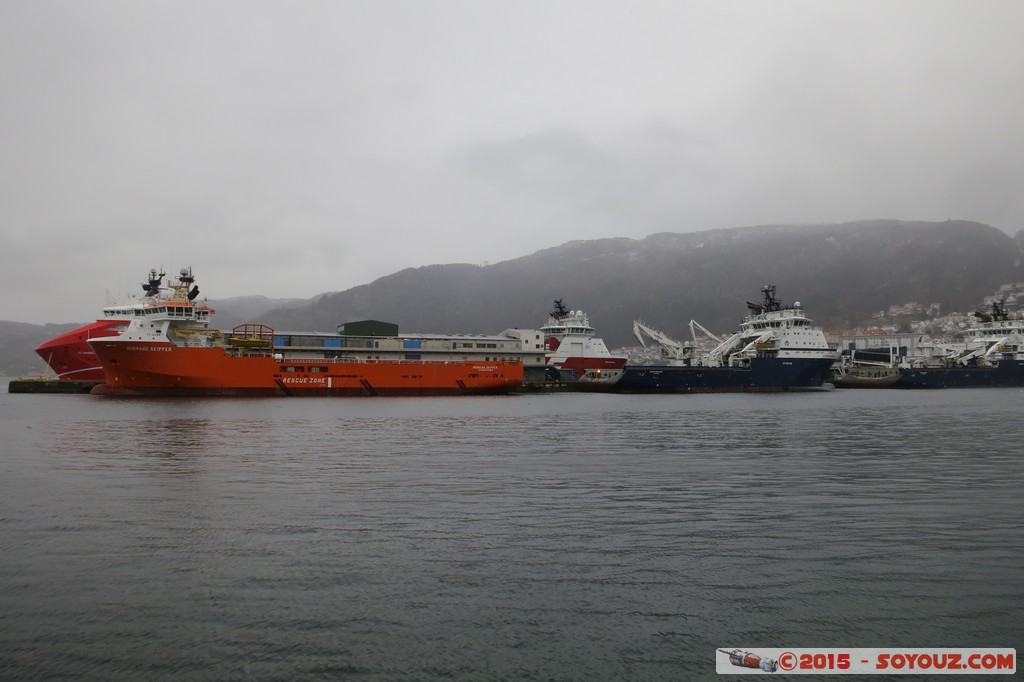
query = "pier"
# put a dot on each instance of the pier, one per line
(50, 386)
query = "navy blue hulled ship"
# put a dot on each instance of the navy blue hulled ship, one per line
(776, 349)
(998, 374)
(991, 357)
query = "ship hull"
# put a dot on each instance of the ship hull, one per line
(764, 375)
(867, 377)
(162, 369)
(581, 365)
(1007, 373)
(70, 356)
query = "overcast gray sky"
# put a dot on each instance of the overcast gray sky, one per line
(294, 148)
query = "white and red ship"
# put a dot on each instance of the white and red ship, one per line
(71, 357)
(570, 347)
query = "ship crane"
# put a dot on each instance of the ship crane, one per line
(670, 348)
(997, 347)
(965, 357)
(641, 330)
(717, 357)
(987, 353)
(694, 325)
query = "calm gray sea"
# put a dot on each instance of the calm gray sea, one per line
(534, 537)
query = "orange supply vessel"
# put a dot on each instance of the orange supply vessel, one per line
(161, 368)
(170, 350)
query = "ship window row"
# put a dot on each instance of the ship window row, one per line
(412, 344)
(321, 342)
(777, 325)
(322, 369)
(166, 311)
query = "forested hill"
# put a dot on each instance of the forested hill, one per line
(841, 274)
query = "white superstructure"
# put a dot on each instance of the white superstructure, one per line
(570, 344)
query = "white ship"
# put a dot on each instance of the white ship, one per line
(571, 348)
(776, 349)
(992, 355)
(771, 329)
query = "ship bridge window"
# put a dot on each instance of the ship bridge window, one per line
(292, 368)
(315, 369)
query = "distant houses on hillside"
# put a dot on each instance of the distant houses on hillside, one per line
(927, 318)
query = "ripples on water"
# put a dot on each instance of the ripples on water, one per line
(523, 538)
